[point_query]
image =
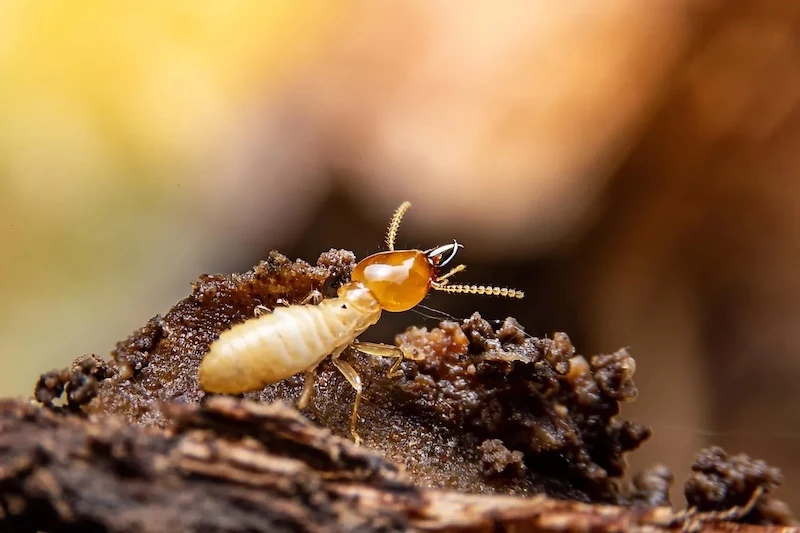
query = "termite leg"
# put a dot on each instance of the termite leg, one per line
(383, 350)
(308, 388)
(314, 297)
(354, 379)
(310, 376)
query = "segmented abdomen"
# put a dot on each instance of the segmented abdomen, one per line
(278, 345)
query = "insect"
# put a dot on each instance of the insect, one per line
(296, 338)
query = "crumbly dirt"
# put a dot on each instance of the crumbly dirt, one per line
(73, 474)
(480, 408)
(230, 465)
(496, 459)
(535, 396)
(81, 383)
(719, 481)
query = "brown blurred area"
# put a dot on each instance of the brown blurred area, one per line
(630, 165)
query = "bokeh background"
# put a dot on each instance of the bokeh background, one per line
(633, 166)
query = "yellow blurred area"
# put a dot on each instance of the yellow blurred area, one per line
(106, 111)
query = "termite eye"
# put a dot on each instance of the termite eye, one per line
(398, 279)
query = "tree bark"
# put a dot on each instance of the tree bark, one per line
(232, 465)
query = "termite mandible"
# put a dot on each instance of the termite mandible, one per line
(276, 345)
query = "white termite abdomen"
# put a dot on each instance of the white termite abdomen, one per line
(290, 340)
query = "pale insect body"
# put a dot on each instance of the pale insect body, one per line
(290, 340)
(295, 339)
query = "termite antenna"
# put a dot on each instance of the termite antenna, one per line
(394, 225)
(479, 289)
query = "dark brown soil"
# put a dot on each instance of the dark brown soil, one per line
(480, 408)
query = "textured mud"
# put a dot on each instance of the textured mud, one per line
(81, 383)
(65, 473)
(232, 465)
(480, 408)
(719, 481)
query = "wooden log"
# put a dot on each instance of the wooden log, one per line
(232, 465)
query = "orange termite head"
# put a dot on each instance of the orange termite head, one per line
(400, 279)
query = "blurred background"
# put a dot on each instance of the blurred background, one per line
(633, 166)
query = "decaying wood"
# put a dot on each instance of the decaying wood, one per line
(482, 407)
(482, 412)
(231, 464)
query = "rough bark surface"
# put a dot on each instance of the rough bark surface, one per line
(232, 465)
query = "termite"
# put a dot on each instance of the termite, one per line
(276, 345)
